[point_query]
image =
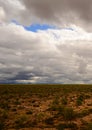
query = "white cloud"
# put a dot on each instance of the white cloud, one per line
(2, 15)
(52, 56)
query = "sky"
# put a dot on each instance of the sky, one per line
(46, 41)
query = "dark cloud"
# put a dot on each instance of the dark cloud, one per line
(21, 76)
(58, 12)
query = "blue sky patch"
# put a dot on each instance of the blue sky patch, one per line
(36, 27)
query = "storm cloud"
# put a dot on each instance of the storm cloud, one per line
(53, 9)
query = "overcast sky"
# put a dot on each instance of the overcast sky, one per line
(57, 49)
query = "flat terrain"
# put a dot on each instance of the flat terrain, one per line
(47, 107)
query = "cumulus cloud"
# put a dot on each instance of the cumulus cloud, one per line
(52, 56)
(10, 10)
(60, 55)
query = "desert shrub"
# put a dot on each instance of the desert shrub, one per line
(67, 125)
(64, 101)
(89, 126)
(81, 97)
(87, 96)
(61, 126)
(31, 123)
(5, 115)
(69, 113)
(80, 100)
(90, 110)
(21, 121)
(2, 125)
(29, 112)
(53, 107)
(4, 105)
(17, 102)
(72, 126)
(13, 109)
(60, 109)
(56, 100)
(84, 112)
(40, 116)
(3, 118)
(49, 121)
